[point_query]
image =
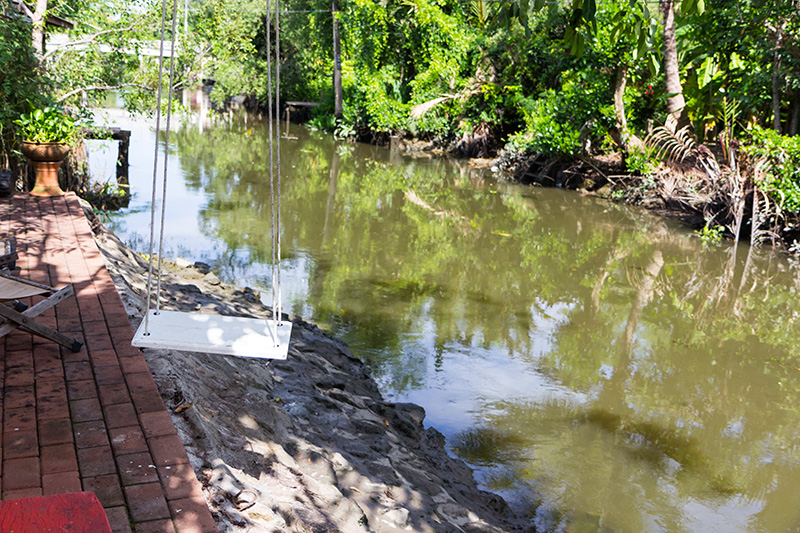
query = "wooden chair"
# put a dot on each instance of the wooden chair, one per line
(15, 314)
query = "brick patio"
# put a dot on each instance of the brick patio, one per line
(92, 420)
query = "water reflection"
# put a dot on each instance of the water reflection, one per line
(602, 369)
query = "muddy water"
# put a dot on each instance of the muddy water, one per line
(598, 366)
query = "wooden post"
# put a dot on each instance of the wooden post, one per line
(337, 65)
(394, 148)
(124, 138)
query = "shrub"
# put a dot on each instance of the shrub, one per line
(554, 121)
(641, 161)
(779, 157)
(544, 133)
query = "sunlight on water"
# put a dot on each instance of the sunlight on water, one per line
(600, 368)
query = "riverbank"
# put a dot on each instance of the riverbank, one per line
(708, 196)
(306, 444)
(712, 198)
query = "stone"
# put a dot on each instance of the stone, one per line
(211, 279)
(311, 436)
(201, 267)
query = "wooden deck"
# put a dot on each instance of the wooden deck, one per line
(92, 420)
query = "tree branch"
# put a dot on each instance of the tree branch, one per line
(87, 40)
(25, 9)
(102, 88)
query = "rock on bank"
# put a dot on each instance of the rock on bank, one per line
(307, 444)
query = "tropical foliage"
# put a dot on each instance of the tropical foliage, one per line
(522, 71)
(561, 79)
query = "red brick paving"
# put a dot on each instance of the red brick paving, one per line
(92, 420)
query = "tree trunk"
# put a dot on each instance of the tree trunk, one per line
(619, 92)
(38, 18)
(795, 115)
(337, 65)
(675, 101)
(619, 133)
(776, 79)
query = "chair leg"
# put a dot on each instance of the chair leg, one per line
(26, 323)
(76, 346)
(8, 253)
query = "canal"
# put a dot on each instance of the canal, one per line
(598, 366)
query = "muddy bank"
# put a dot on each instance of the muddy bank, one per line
(306, 444)
(696, 192)
(606, 176)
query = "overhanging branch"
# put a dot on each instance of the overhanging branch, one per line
(25, 9)
(87, 40)
(102, 88)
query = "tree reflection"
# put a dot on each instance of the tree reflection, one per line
(676, 367)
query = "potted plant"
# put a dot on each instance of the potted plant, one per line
(47, 134)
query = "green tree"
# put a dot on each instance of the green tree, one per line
(21, 87)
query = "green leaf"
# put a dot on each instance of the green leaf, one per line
(589, 10)
(615, 32)
(707, 71)
(736, 61)
(578, 45)
(641, 46)
(523, 13)
(653, 65)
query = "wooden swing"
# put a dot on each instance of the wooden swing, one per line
(199, 332)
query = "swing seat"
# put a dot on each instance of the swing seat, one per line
(203, 333)
(227, 335)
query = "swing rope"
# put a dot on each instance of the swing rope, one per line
(279, 318)
(166, 152)
(271, 155)
(274, 166)
(155, 162)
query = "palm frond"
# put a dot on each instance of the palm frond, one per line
(420, 109)
(673, 146)
(480, 10)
